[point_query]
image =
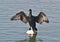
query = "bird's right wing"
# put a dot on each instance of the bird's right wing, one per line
(20, 16)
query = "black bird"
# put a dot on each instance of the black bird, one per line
(32, 20)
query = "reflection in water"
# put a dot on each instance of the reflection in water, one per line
(31, 39)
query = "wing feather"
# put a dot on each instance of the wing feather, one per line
(20, 16)
(42, 18)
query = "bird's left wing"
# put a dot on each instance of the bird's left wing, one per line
(42, 18)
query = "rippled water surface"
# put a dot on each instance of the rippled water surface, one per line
(15, 31)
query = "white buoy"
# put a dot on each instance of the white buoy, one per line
(30, 31)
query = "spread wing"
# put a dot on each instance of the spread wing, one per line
(20, 16)
(42, 18)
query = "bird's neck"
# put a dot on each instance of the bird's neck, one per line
(30, 14)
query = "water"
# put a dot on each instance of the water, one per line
(15, 31)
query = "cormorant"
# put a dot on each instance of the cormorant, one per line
(32, 20)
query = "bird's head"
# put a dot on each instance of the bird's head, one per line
(30, 12)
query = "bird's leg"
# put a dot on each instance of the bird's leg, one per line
(35, 28)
